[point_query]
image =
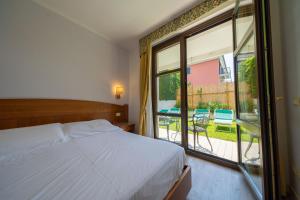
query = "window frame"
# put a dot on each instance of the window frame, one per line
(270, 150)
(181, 39)
(155, 75)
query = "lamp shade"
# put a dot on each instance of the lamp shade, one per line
(119, 92)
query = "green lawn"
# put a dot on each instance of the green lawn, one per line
(222, 133)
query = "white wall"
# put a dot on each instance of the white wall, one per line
(134, 87)
(43, 55)
(290, 27)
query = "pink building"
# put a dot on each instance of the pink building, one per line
(205, 73)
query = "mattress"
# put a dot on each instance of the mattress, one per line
(111, 165)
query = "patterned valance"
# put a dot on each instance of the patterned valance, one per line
(179, 22)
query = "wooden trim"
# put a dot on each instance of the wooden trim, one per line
(15, 113)
(262, 91)
(183, 96)
(212, 158)
(160, 47)
(128, 127)
(166, 44)
(267, 111)
(182, 187)
(220, 19)
(236, 85)
(168, 72)
(272, 106)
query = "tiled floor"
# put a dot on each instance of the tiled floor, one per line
(214, 182)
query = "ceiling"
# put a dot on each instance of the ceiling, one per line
(122, 22)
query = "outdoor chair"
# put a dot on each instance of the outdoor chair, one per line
(200, 113)
(199, 124)
(165, 121)
(175, 110)
(223, 117)
(253, 135)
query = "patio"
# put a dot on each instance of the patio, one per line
(221, 148)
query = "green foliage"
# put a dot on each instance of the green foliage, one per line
(177, 105)
(168, 85)
(212, 105)
(224, 106)
(246, 106)
(217, 105)
(202, 105)
(199, 92)
(248, 73)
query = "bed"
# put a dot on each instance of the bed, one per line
(86, 161)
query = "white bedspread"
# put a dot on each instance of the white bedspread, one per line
(108, 166)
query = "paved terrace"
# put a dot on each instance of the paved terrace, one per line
(221, 148)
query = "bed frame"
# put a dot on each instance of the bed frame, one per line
(15, 113)
(182, 187)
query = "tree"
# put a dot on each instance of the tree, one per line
(168, 85)
(248, 73)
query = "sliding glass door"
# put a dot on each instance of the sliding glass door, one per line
(252, 95)
(211, 92)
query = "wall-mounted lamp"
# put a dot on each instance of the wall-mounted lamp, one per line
(119, 92)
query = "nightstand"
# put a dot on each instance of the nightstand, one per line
(129, 127)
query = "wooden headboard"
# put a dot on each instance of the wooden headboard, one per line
(16, 113)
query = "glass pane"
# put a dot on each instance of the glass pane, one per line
(244, 20)
(168, 59)
(211, 94)
(248, 83)
(249, 111)
(169, 128)
(168, 93)
(251, 154)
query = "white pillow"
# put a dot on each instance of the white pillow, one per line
(88, 128)
(25, 139)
